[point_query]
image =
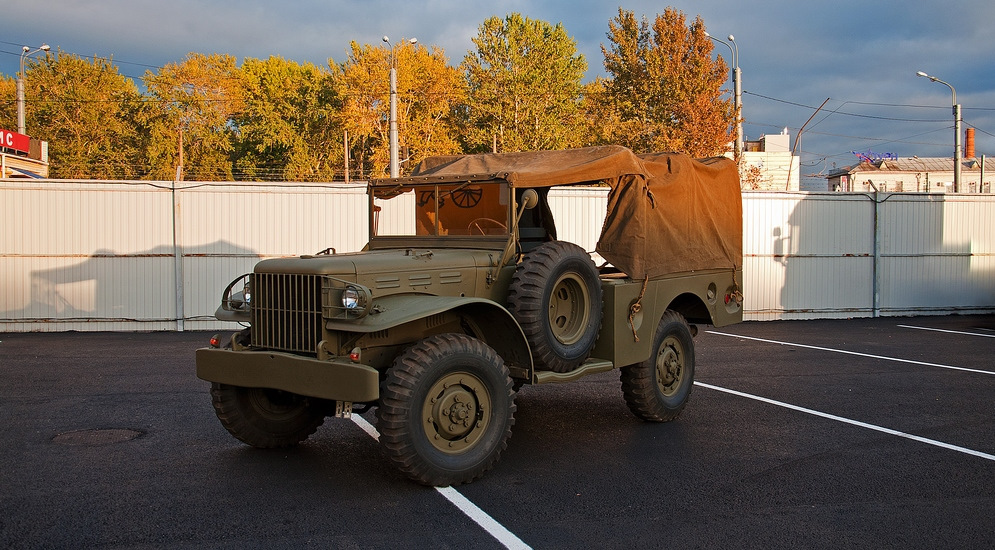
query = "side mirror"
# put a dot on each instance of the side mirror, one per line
(529, 199)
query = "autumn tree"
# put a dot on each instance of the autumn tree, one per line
(86, 111)
(664, 86)
(192, 106)
(524, 87)
(604, 122)
(8, 102)
(428, 90)
(289, 128)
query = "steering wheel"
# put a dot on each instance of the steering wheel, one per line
(475, 224)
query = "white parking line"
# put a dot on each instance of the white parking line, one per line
(888, 431)
(896, 359)
(498, 531)
(489, 524)
(366, 426)
(949, 331)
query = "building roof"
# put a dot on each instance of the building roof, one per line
(913, 164)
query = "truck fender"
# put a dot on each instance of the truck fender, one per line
(691, 306)
(485, 319)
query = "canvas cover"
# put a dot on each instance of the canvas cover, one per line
(667, 212)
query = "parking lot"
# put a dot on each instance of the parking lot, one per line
(814, 434)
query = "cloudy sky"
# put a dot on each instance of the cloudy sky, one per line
(794, 54)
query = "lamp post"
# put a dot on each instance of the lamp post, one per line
(957, 145)
(25, 52)
(737, 89)
(394, 164)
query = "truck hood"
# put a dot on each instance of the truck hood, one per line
(363, 266)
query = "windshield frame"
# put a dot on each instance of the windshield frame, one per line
(434, 189)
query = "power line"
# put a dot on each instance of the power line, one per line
(872, 104)
(918, 106)
(858, 115)
(910, 140)
(980, 130)
(110, 59)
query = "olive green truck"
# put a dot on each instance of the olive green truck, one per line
(464, 294)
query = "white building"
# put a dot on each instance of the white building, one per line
(915, 175)
(768, 165)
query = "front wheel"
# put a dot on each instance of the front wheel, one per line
(446, 410)
(265, 418)
(658, 388)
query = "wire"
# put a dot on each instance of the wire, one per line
(919, 106)
(858, 115)
(980, 130)
(880, 141)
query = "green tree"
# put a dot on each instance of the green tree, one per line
(524, 87)
(87, 112)
(193, 103)
(428, 91)
(290, 127)
(664, 86)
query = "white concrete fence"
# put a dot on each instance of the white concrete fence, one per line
(139, 255)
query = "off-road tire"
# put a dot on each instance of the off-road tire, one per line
(446, 410)
(555, 296)
(657, 389)
(265, 418)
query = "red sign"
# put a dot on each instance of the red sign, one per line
(13, 140)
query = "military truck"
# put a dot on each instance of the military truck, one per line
(464, 294)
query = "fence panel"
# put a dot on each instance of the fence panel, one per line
(937, 253)
(105, 255)
(225, 229)
(86, 256)
(807, 255)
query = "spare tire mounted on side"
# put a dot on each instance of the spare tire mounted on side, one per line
(555, 296)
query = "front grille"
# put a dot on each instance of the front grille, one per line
(286, 312)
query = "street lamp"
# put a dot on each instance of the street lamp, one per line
(25, 52)
(394, 168)
(737, 89)
(956, 110)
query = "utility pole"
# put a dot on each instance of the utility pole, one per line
(394, 163)
(958, 155)
(737, 90)
(25, 52)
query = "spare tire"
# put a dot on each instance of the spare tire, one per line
(555, 295)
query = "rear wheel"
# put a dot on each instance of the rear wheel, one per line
(265, 418)
(446, 410)
(658, 389)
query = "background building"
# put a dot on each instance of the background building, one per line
(914, 174)
(22, 156)
(768, 165)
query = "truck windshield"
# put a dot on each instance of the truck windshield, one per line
(451, 209)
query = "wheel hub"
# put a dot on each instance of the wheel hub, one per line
(455, 412)
(568, 314)
(669, 366)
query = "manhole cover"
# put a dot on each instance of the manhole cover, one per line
(96, 437)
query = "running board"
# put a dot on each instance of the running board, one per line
(591, 366)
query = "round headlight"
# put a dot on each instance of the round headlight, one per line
(240, 300)
(350, 298)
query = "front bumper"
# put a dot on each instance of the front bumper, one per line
(334, 380)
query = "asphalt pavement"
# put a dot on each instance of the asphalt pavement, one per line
(867, 433)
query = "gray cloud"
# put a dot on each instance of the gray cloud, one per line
(794, 55)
